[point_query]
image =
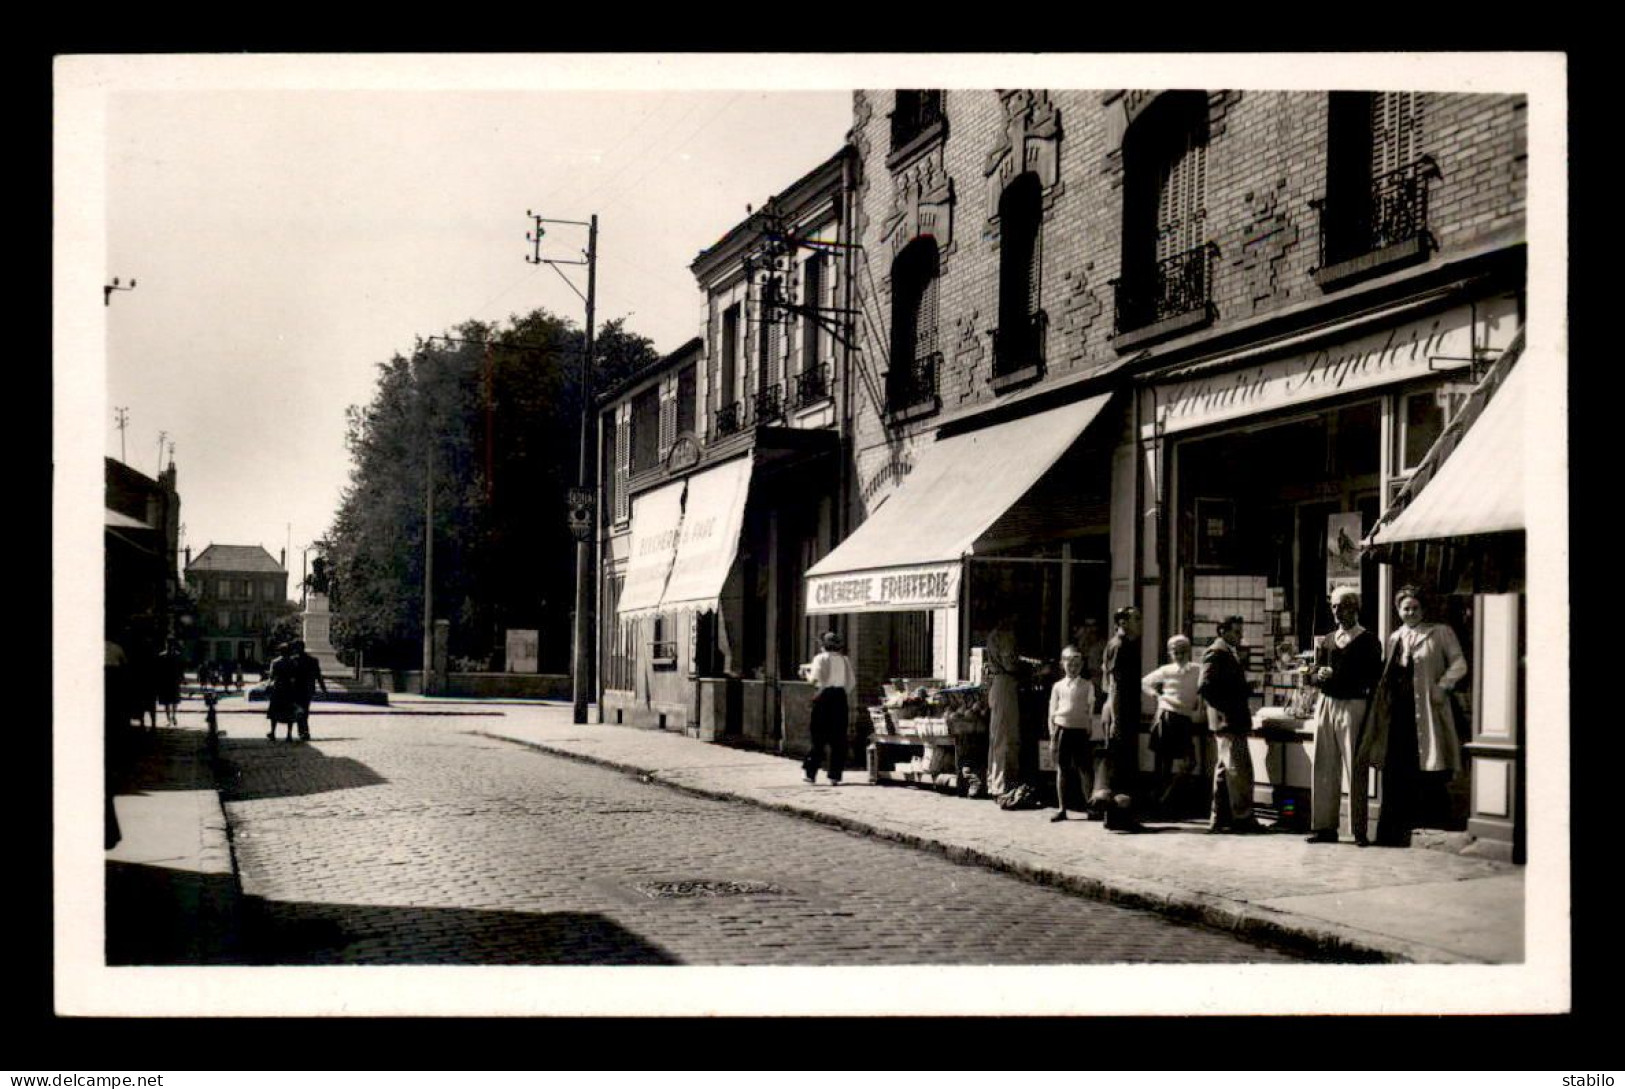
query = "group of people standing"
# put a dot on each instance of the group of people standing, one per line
(1385, 708)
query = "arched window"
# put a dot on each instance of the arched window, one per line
(1166, 255)
(1018, 342)
(915, 360)
(1375, 211)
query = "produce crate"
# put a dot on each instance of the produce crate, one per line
(930, 727)
(880, 721)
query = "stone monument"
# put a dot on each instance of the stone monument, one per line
(318, 632)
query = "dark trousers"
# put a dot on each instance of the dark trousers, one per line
(829, 724)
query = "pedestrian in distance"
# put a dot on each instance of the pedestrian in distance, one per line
(308, 675)
(1001, 669)
(283, 704)
(1411, 732)
(1347, 666)
(833, 680)
(1117, 776)
(145, 683)
(171, 670)
(1072, 725)
(1178, 726)
(1224, 689)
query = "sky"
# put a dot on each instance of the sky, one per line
(285, 242)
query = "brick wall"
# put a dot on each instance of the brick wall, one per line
(1266, 161)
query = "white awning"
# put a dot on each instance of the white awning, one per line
(684, 538)
(1478, 488)
(908, 554)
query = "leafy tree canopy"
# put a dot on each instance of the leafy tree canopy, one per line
(491, 415)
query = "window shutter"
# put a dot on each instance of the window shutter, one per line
(668, 417)
(1395, 125)
(623, 462)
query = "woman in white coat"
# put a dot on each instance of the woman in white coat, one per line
(1412, 728)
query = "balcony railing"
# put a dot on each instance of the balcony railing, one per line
(1393, 212)
(1176, 286)
(1019, 345)
(769, 403)
(913, 382)
(730, 419)
(915, 113)
(810, 386)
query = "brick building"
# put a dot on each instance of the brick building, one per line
(1176, 349)
(240, 592)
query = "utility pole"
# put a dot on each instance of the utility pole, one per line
(121, 418)
(582, 497)
(428, 565)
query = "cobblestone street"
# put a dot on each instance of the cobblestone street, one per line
(409, 840)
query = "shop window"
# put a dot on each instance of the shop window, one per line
(662, 644)
(646, 430)
(915, 361)
(1423, 418)
(1018, 342)
(1375, 213)
(1166, 280)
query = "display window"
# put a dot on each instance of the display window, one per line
(1269, 519)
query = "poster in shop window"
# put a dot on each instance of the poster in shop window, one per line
(1343, 550)
(1215, 531)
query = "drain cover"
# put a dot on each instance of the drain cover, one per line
(674, 890)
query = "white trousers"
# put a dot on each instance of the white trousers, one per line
(1337, 736)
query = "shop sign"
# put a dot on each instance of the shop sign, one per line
(1392, 355)
(895, 589)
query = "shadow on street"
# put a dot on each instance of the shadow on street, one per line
(254, 768)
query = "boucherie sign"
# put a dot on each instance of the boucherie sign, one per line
(934, 586)
(1395, 354)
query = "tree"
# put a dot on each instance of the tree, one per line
(496, 412)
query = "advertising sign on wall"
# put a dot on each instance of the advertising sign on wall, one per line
(524, 647)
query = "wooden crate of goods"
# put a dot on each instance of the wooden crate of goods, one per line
(880, 720)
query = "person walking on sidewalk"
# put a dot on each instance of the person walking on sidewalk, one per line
(1118, 788)
(1411, 733)
(833, 679)
(1348, 663)
(1223, 687)
(170, 671)
(1178, 728)
(308, 677)
(1071, 731)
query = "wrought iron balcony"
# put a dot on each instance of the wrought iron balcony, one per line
(1021, 344)
(769, 402)
(1394, 211)
(1173, 287)
(916, 112)
(730, 419)
(810, 386)
(913, 382)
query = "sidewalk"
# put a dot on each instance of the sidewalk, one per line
(1418, 906)
(172, 894)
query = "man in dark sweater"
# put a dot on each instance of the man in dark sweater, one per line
(1118, 772)
(1348, 664)
(1224, 689)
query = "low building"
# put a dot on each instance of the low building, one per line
(141, 531)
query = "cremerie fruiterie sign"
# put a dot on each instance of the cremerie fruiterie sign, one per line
(932, 586)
